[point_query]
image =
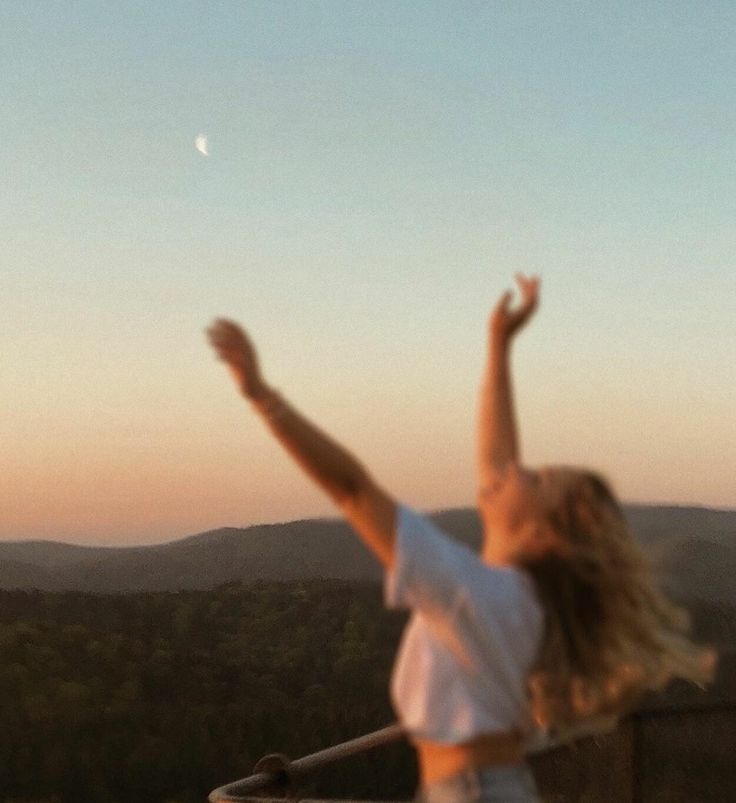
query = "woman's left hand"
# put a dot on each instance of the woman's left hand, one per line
(506, 322)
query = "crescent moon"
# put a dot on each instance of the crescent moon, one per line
(200, 143)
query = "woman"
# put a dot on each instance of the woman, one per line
(555, 623)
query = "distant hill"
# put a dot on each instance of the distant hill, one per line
(694, 550)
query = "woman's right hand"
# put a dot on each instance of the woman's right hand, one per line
(234, 348)
(506, 322)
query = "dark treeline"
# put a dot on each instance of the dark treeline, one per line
(159, 698)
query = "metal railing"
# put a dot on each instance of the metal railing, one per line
(275, 775)
(276, 772)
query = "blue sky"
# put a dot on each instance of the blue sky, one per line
(377, 174)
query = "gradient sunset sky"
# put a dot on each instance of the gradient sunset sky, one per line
(378, 172)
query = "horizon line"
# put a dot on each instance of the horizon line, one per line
(317, 518)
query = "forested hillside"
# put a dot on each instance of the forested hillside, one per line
(161, 697)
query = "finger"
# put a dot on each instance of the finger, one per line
(217, 328)
(527, 284)
(524, 281)
(230, 326)
(529, 297)
(224, 330)
(218, 337)
(225, 349)
(504, 301)
(530, 292)
(225, 324)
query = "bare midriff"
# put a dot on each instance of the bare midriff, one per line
(438, 761)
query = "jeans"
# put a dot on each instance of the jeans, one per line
(512, 783)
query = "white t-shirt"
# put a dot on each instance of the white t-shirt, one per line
(473, 637)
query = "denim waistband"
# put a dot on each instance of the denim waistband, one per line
(512, 783)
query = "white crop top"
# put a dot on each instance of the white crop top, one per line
(471, 640)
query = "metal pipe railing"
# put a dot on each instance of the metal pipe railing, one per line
(276, 770)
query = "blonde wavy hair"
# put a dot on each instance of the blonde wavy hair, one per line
(610, 634)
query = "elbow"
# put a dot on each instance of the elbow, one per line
(351, 485)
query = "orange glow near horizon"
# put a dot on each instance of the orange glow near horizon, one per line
(155, 486)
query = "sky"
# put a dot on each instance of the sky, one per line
(377, 174)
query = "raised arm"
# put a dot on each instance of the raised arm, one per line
(498, 441)
(367, 507)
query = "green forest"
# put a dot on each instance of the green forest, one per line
(161, 697)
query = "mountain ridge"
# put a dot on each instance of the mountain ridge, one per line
(693, 550)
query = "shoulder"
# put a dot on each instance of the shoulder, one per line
(418, 530)
(429, 566)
